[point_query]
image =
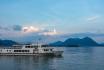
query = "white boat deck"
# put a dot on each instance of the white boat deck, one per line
(29, 50)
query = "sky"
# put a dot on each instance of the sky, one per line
(19, 18)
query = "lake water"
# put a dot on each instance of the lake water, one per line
(74, 58)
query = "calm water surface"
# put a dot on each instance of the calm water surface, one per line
(74, 58)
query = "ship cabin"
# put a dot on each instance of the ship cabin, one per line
(26, 49)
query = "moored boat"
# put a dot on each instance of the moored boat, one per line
(31, 49)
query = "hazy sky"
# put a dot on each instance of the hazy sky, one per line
(63, 15)
(52, 16)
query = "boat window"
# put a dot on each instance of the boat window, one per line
(21, 50)
(15, 50)
(35, 46)
(46, 50)
(29, 46)
(50, 49)
(26, 50)
(9, 50)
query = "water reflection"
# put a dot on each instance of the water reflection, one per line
(28, 62)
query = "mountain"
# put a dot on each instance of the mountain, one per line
(86, 41)
(7, 43)
(101, 44)
(34, 37)
(58, 43)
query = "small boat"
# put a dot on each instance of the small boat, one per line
(31, 49)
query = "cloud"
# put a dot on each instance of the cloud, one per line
(11, 28)
(17, 27)
(92, 18)
(29, 29)
(27, 33)
(40, 31)
(54, 32)
(4, 28)
(33, 35)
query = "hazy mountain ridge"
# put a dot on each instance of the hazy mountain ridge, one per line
(86, 41)
(33, 37)
(7, 43)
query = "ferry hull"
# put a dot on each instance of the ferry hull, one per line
(33, 50)
(55, 53)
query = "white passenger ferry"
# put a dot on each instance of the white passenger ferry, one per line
(30, 50)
